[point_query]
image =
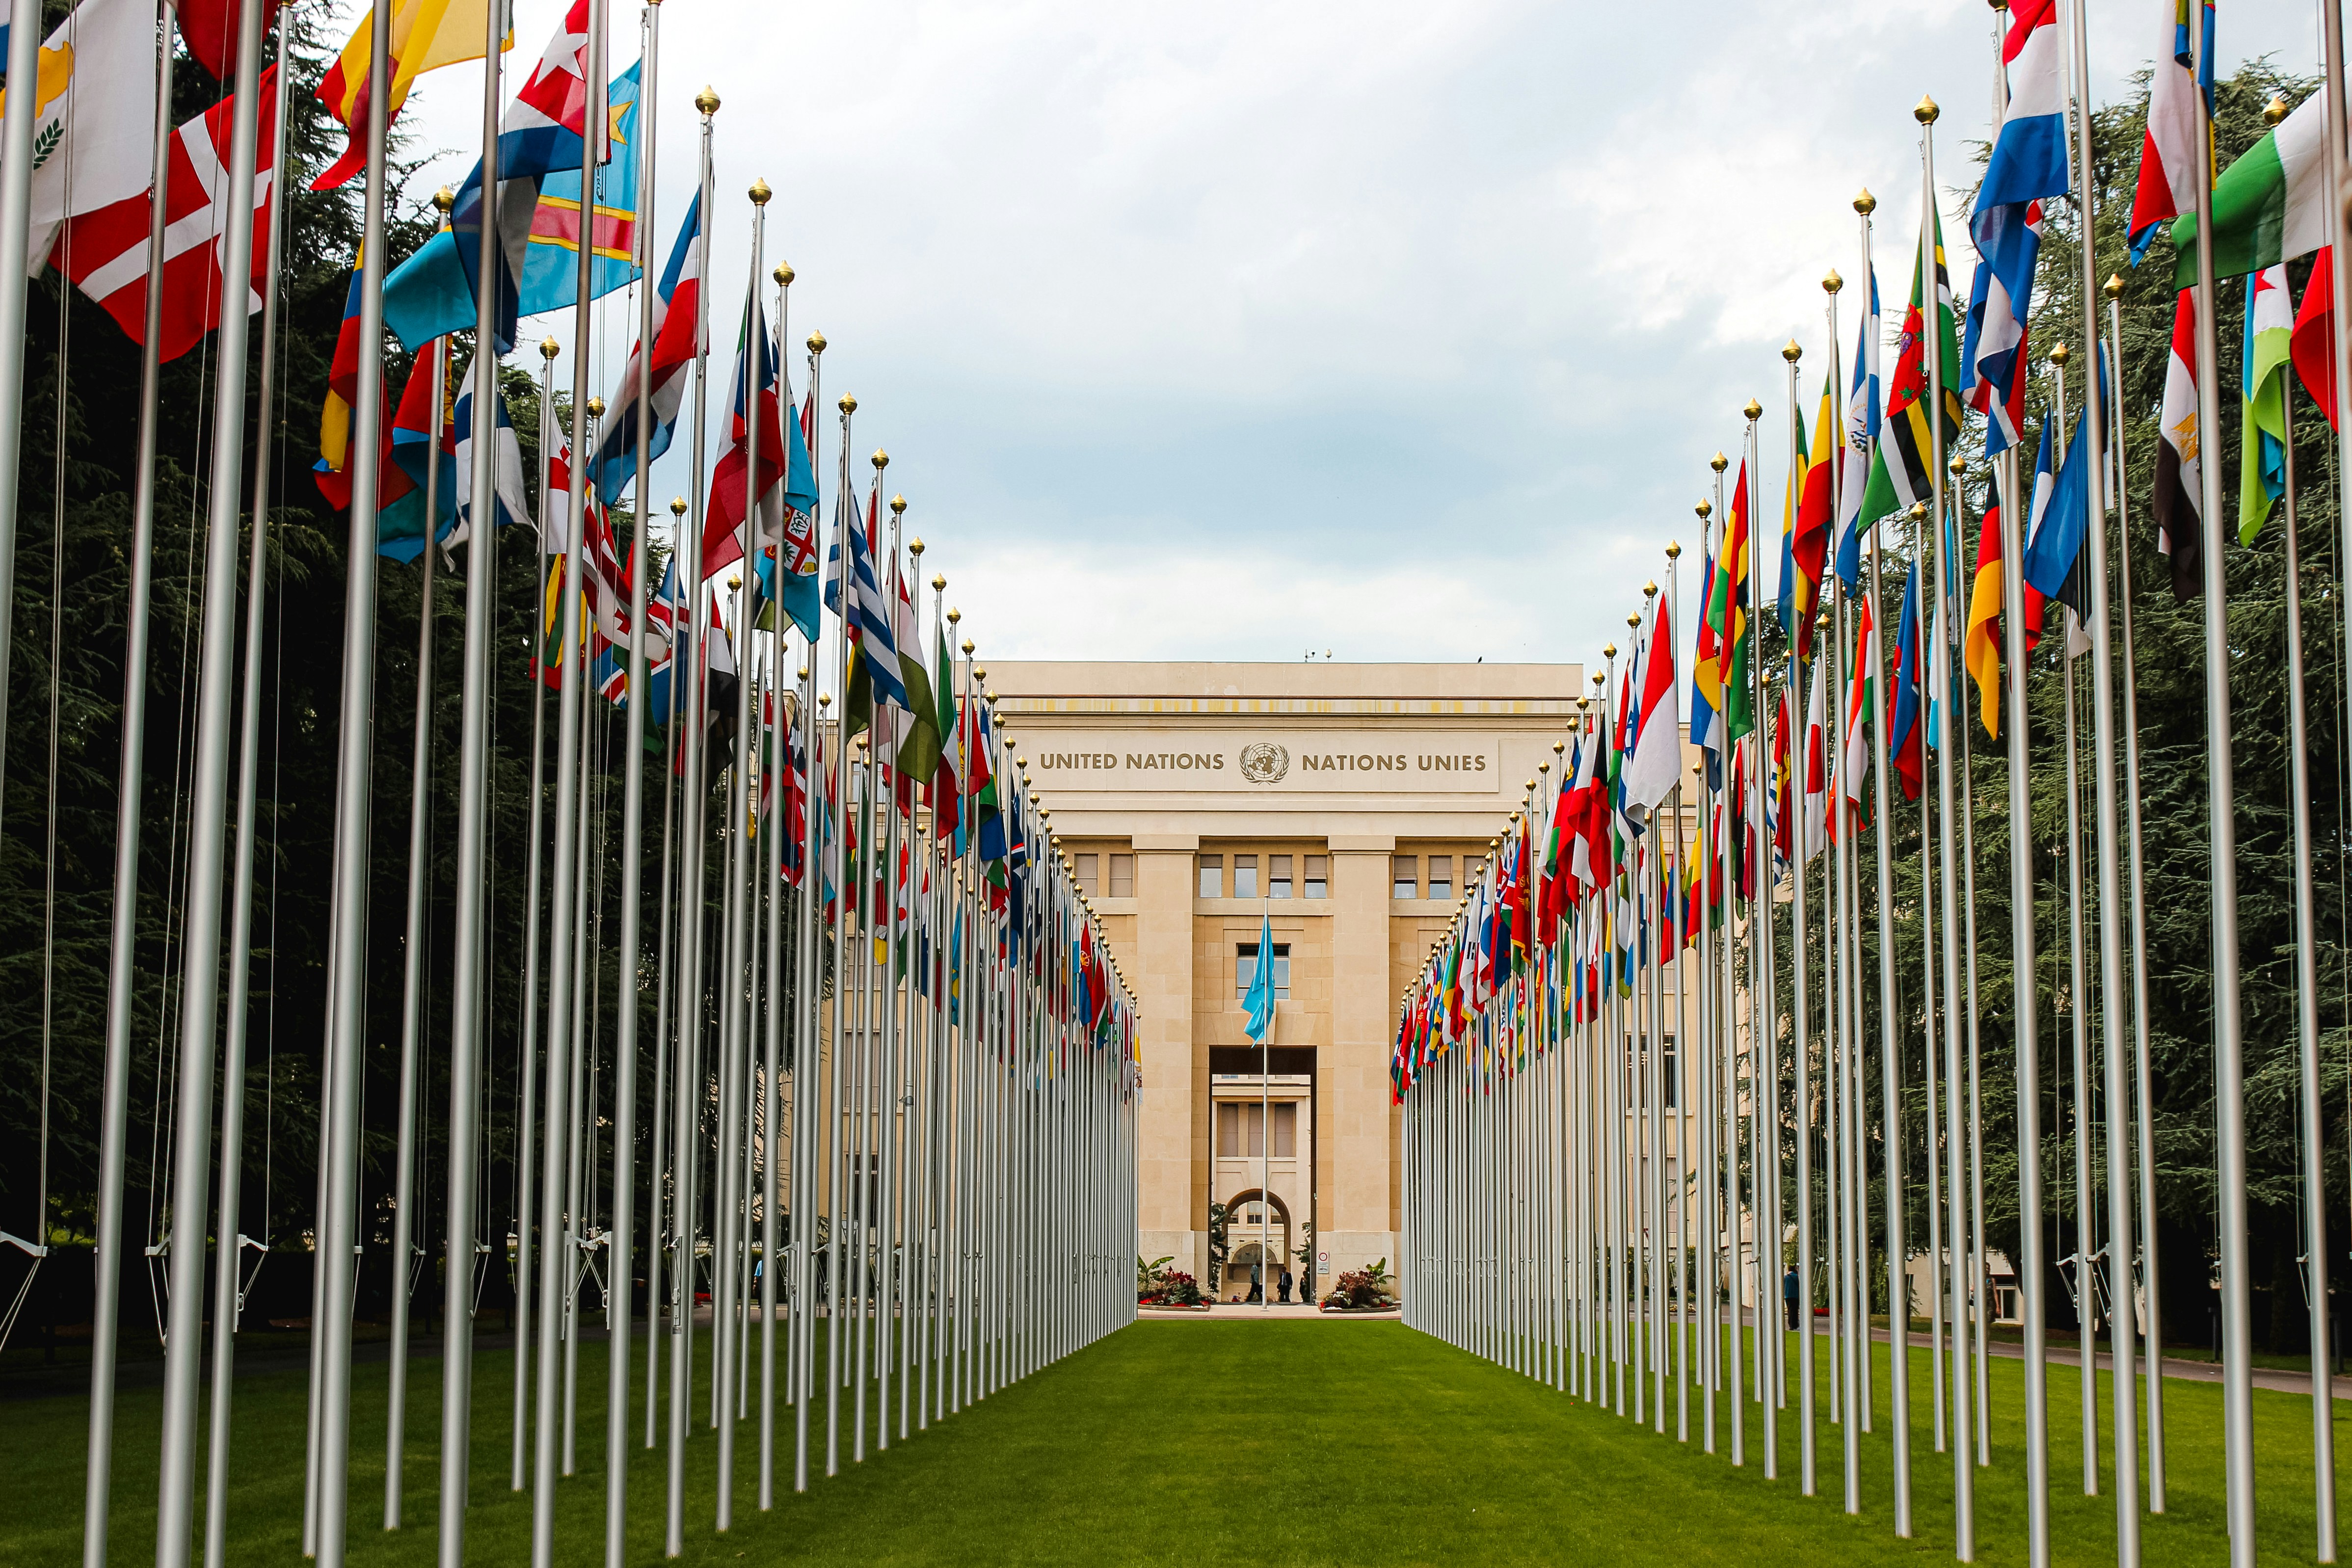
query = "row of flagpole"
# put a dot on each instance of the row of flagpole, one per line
(893, 1062)
(1583, 1191)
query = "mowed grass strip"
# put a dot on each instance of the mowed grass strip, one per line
(1297, 1442)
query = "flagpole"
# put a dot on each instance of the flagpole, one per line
(555, 1218)
(16, 276)
(2144, 1092)
(227, 1290)
(808, 1049)
(527, 1122)
(686, 697)
(121, 969)
(412, 975)
(1800, 1021)
(778, 766)
(338, 1227)
(207, 816)
(1968, 1301)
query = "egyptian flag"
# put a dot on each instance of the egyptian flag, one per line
(2179, 522)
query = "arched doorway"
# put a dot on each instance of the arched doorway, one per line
(1257, 1238)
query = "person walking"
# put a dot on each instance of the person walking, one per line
(1257, 1283)
(1283, 1285)
(1791, 1290)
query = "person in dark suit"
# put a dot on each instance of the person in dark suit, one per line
(1283, 1285)
(1792, 1292)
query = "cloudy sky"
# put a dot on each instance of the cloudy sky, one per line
(1238, 330)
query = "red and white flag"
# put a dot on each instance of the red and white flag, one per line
(1817, 765)
(105, 251)
(1655, 764)
(2179, 514)
(2167, 155)
(2312, 347)
(1853, 768)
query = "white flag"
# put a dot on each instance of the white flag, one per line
(94, 116)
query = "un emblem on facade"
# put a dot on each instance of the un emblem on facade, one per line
(1263, 762)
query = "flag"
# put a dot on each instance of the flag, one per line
(1782, 814)
(1903, 750)
(1862, 406)
(507, 495)
(2262, 430)
(1655, 766)
(2055, 560)
(614, 463)
(2168, 151)
(1992, 356)
(1707, 675)
(1853, 768)
(2179, 489)
(426, 35)
(786, 484)
(1727, 617)
(421, 422)
(332, 471)
(537, 247)
(1809, 552)
(209, 29)
(105, 252)
(93, 121)
(867, 614)
(2314, 343)
(1981, 649)
(2270, 205)
(944, 794)
(1816, 765)
(545, 126)
(1786, 608)
(1901, 482)
(911, 746)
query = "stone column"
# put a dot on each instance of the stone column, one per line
(1355, 1068)
(1169, 1220)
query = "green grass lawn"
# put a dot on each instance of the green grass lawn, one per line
(1291, 1442)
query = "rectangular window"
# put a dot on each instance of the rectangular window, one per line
(1229, 1130)
(1286, 1132)
(1253, 1136)
(1245, 969)
(1666, 1061)
(1089, 874)
(1245, 877)
(1277, 876)
(1319, 876)
(1122, 876)
(1405, 876)
(1213, 876)
(1441, 878)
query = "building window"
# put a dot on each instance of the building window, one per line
(1245, 969)
(1213, 876)
(1122, 876)
(1286, 1132)
(1319, 876)
(1405, 876)
(1277, 876)
(1229, 1130)
(1245, 877)
(1440, 877)
(1090, 878)
(1666, 1062)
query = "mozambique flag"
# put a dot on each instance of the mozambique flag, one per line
(1897, 483)
(1726, 620)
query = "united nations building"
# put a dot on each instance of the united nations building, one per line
(1350, 802)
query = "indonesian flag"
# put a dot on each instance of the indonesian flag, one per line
(1656, 764)
(2178, 511)
(105, 251)
(2169, 154)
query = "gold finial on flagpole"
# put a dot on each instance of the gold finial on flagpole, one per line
(1865, 203)
(595, 408)
(1558, 746)
(1608, 650)
(848, 405)
(677, 506)
(2274, 110)
(1959, 465)
(760, 193)
(1926, 111)
(816, 342)
(548, 348)
(1918, 512)
(880, 460)
(1792, 353)
(444, 198)
(938, 583)
(1831, 282)
(2115, 286)
(1674, 549)
(2058, 354)
(706, 101)
(1705, 509)
(1718, 461)
(1754, 411)
(783, 275)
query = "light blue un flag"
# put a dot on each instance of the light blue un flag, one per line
(1259, 999)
